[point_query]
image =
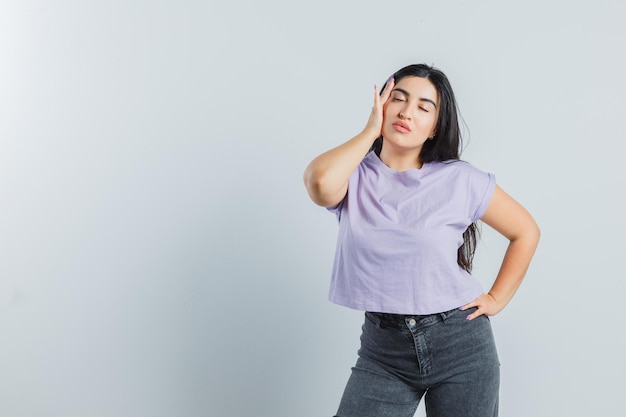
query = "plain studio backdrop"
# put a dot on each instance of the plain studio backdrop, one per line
(159, 255)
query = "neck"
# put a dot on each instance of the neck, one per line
(400, 160)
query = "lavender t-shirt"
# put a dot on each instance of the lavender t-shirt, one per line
(399, 233)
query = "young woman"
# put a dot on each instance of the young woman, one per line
(407, 209)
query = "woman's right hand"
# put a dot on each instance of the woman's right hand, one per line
(375, 122)
(326, 177)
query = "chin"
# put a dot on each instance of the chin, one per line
(402, 140)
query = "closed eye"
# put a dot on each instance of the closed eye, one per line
(423, 109)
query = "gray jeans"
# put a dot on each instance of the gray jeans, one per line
(450, 361)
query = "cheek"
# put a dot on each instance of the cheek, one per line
(429, 122)
(434, 121)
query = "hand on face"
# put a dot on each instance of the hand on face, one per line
(375, 122)
(410, 114)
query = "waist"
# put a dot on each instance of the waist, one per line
(400, 321)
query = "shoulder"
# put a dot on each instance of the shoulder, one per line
(371, 161)
(370, 165)
(459, 165)
(472, 186)
(466, 176)
(459, 168)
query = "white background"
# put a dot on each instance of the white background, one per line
(159, 255)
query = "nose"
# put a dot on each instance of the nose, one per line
(404, 113)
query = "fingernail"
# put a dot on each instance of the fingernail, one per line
(467, 318)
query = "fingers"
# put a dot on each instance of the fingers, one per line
(485, 304)
(376, 97)
(380, 98)
(471, 305)
(475, 314)
(387, 90)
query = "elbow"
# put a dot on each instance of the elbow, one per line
(314, 189)
(318, 189)
(527, 234)
(533, 230)
(532, 234)
(311, 182)
(537, 233)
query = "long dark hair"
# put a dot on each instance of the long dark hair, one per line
(445, 144)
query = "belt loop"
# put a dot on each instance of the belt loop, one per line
(444, 316)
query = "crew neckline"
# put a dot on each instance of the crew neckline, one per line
(384, 167)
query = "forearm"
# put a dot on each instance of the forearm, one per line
(326, 177)
(514, 266)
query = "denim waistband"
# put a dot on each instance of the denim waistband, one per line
(400, 320)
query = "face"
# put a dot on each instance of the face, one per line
(410, 114)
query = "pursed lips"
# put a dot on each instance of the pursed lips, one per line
(402, 127)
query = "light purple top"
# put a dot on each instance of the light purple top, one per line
(399, 233)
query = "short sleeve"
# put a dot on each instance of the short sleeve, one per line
(337, 209)
(353, 184)
(483, 186)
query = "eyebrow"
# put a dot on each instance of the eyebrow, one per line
(406, 93)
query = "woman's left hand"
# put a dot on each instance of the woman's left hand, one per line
(485, 304)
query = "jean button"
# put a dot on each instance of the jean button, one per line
(412, 322)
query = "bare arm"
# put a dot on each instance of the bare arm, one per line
(326, 177)
(511, 220)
